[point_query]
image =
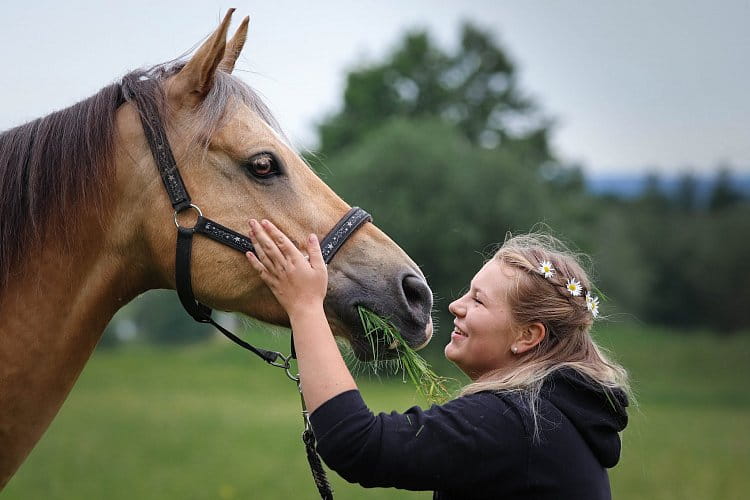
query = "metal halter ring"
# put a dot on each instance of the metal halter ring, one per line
(194, 207)
(286, 365)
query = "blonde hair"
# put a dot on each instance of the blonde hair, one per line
(567, 320)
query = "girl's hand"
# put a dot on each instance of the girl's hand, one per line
(298, 284)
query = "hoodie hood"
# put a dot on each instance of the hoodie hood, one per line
(598, 414)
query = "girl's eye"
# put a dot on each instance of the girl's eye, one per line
(263, 165)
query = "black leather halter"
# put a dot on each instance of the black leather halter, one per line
(178, 195)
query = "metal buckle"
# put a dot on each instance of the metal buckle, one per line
(286, 365)
(176, 212)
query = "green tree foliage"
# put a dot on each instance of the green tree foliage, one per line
(473, 89)
(723, 194)
(686, 197)
(155, 317)
(677, 260)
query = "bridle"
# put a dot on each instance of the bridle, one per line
(180, 199)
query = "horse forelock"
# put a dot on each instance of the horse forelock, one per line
(55, 171)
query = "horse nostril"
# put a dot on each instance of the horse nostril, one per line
(418, 296)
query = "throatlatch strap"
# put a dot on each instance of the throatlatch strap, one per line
(183, 280)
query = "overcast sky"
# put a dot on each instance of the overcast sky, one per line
(632, 85)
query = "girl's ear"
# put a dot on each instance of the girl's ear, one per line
(529, 337)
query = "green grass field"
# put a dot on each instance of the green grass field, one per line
(208, 422)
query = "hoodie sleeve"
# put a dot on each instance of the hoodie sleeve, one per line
(467, 441)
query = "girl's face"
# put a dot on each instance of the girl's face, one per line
(483, 326)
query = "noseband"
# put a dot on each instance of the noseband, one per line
(178, 195)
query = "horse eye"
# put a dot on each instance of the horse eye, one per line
(263, 165)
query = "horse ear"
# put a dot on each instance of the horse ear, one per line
(234, 47)
(194, 80)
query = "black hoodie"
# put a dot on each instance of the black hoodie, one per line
(482, 445)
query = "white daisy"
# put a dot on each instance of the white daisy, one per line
(592, 303)
(574, 287)
(546, 269)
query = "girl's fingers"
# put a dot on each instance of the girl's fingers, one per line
(271, 256)
(268, 278)
(260, 253)
(283, 243)
(313, 250)
(277, 259)
(254, 262)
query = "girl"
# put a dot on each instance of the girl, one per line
(541, 417)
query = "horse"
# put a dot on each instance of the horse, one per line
(86, 226)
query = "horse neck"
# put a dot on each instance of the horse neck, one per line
(53, 314)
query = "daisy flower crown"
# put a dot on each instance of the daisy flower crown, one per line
(572, 286)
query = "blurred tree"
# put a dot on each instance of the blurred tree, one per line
(686, 196)
(652, 196)
(624, 274)
(723, 250)
(473, 89)
(723, 193)
(156, 316)
(684, 265)
(161, 319)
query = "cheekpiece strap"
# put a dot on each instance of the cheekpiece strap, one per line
(159, 144)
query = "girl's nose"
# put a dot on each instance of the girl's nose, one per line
(455, 308)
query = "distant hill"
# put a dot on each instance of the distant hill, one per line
(632, 185)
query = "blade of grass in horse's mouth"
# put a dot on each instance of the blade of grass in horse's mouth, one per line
(428, 383)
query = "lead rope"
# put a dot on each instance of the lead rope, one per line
(316, 467)
(308, 438)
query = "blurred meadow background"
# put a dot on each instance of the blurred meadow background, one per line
(208, 421)
(447, 131)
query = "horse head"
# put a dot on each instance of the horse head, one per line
(237, 164)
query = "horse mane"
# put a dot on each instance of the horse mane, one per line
(55, 171)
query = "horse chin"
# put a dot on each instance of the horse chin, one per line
(372, 348)
(348, 326)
